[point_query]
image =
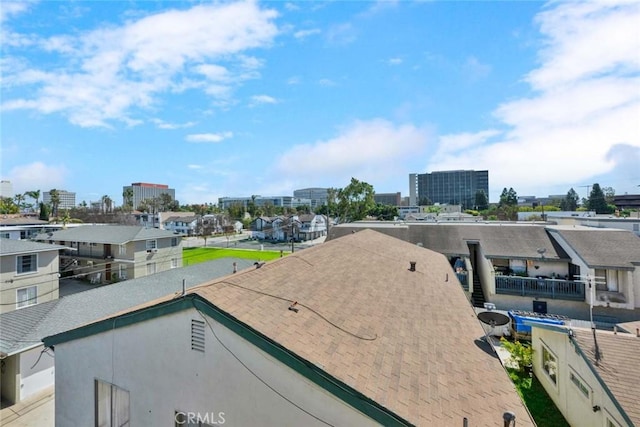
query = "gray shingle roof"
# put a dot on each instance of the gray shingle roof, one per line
(602, 247)
(21, 329)
(11, 247)
(497, 240)
(618, 366)
(111, 234)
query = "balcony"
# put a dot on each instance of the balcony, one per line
(464, 281)
(545, 288)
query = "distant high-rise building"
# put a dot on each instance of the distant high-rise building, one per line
(67, 199)
(6, 189)
(448, 187)
(143, 191)
(318, 196)
(393, 199)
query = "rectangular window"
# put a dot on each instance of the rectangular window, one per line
(151, 268)
(5, 235)
(174, 241)
(151, 244)
(111, 405)
(580, 384)
(27, 263)
(122, 272)
(550, 364)
(174, 262)
(26, 296)
(122, 250)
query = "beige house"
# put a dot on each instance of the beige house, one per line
(108, 253)
(28, 273)
(359, 331)
(592, 379)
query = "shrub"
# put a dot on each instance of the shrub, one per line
(521, 354)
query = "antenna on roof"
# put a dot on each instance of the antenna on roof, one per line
(184, 287)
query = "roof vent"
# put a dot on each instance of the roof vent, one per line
(197, 335)
(412, 266)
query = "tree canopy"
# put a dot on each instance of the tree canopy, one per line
(508, 197)
(482, 201)
(570, 202)
(597, 201)
(355, 201)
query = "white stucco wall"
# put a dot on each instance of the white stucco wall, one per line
(153, 360)
(576, 408)
(36, 372)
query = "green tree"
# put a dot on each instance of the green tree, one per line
(19, 199)
(482, 201)
(609, 194)
(127, 199)
(236, 211)
(107, 203)
(384, 212)
(35, 195)
(54, 196)
(597, 201)
(570, 202)
(425, 201)
(355, 201)
(8, 206)
(508, 197)
(44, 212)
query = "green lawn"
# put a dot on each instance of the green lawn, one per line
(538, 402)
(192, 256)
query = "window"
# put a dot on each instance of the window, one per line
(5, 235)
(580, 384)
(27, 263)
(151, 268)
(151, 244)
(550, 364)
(122, 272)
(174, 241)
(174, 262)
(26, 296)
(111, 405)
(122, 250)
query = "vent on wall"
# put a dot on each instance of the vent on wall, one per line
(197, 335)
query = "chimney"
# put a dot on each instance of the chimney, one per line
(235, 267)
(638, 332)
(412, 266)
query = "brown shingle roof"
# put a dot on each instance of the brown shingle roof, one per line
(618, 366)
(408, 340)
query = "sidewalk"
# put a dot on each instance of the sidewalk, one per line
(37, 410)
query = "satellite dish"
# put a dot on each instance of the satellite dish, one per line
(541, 251)
(492, 319)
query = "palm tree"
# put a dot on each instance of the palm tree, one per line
(19, 198)
(106, 203)
(55, 201)
(127, 196)
(35, 195)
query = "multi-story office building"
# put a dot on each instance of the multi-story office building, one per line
(318, 196)
(277, 201)
(67, 199)
(143, 191)
(448, 187)
(393, 199)
(6, 189)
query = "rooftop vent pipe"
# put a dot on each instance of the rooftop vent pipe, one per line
(412, 266)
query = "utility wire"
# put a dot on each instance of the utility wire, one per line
(205, 318)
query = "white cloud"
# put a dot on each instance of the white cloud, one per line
(11, 8)
(341, 34)
(194, 167)
(582, 115)
(326, 82)
(303, 34)
(373, 151)
(161, 124)
(263, 99)
(295, 80)
(37, 176)
(209, 137)
(108, 73)
(474, 69)
(394, 61)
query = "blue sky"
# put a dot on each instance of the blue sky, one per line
(239, 98)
